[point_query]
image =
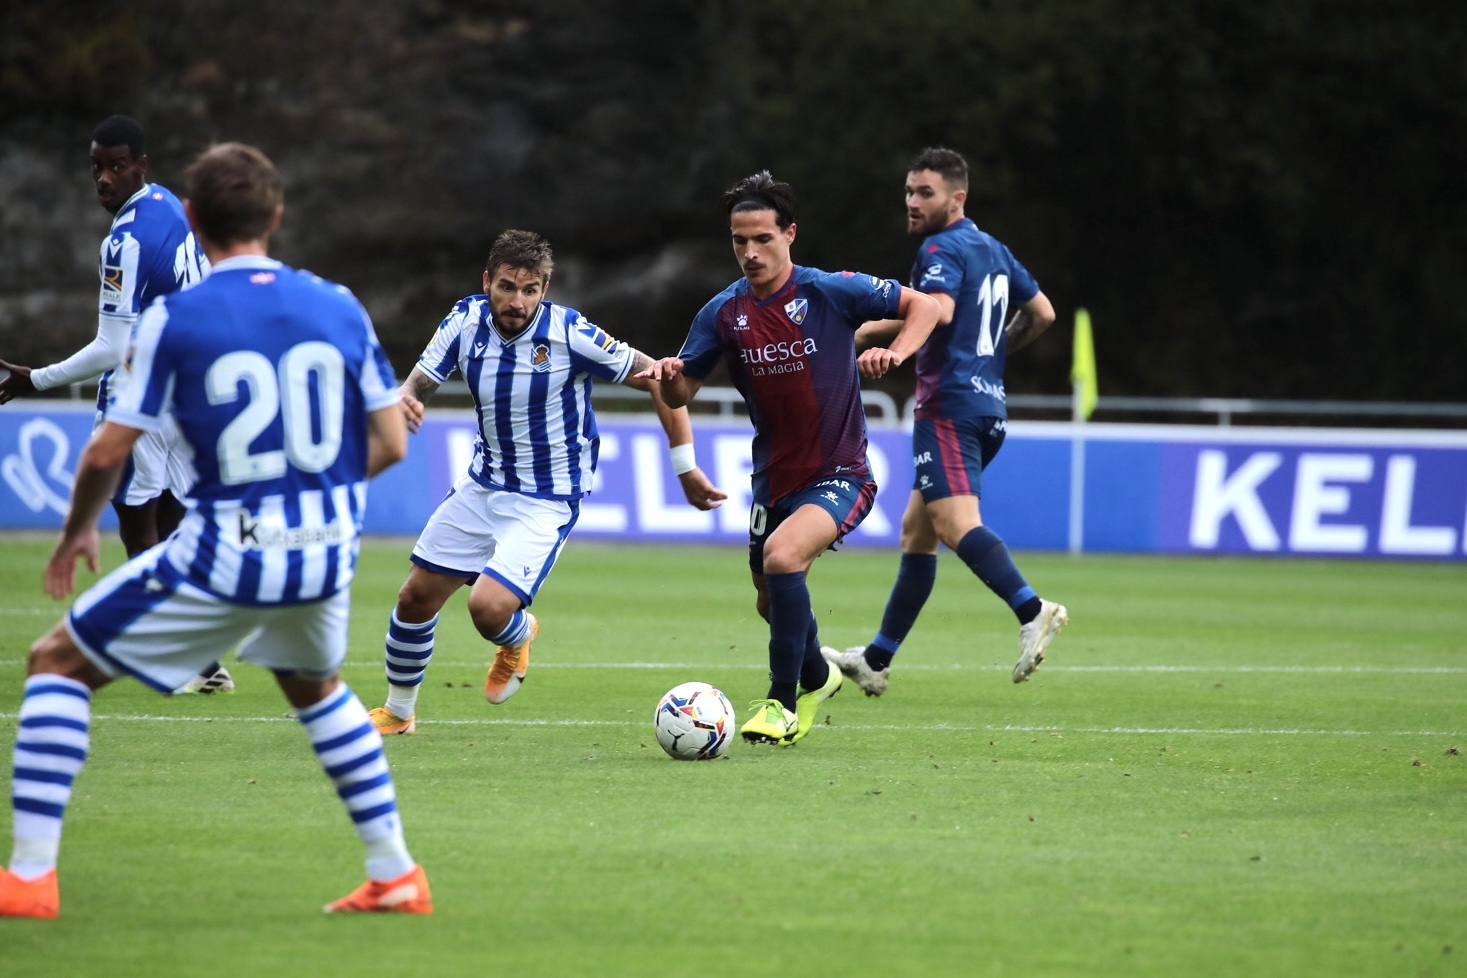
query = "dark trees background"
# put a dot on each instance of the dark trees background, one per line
(1263, 199)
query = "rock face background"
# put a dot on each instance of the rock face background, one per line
(1263, 202)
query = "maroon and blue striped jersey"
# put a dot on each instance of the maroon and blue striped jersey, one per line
(793, 358)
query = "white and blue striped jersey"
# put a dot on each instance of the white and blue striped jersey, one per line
(270, 374)
(148, 252)
(537, 432)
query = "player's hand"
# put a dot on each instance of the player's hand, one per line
(664, 369)
(412, 412)
(875, 362)
(60, 577)
(18, 383)
(701, 493)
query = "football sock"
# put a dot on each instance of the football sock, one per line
(350, 750)
(814, 670)
(915, 576)
(515, 632)
(987, 557)
(789, 627)
(51, 743)
(409, 650)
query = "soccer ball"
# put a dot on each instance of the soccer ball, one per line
(694, 722)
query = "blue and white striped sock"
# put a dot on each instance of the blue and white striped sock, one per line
(50, 749)
(409, 650)
(350, 750)
(515, 632)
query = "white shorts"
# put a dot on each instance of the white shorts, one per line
(133, 622)
(160, 460)
(512, 537)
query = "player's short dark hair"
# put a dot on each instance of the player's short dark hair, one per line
(233, 191)
(761, 192)
(947, 163)
(122, 130)
(523, 250)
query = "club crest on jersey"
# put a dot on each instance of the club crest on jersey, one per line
(540, 358)
(796, 310)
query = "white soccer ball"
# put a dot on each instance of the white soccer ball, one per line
(694, 722)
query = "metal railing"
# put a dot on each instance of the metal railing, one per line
(883, 409)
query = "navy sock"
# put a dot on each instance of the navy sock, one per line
(814, 670)
(915, 576)
(987, 557)
(789, 626)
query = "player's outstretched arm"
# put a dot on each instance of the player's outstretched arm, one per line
(1029, 322)
(699, 491)
(919, 313)
(103, 353)
(17, 382)
(97, 474)
(677, 388)
(417, 390)
(387, 431)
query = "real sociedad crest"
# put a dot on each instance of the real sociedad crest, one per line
(540, 358)
(796, 309)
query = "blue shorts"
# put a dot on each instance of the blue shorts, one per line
(950, 455)
(847, 501)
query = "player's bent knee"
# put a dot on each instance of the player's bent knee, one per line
(54, 653)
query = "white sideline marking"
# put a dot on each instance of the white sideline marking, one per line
(1049, 668)
(983, 727)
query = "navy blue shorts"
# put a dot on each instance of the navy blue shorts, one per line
(847, 501)
(950, 455)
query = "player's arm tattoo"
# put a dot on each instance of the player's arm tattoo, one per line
(1020, 331)
(640, 362)
(420, 385)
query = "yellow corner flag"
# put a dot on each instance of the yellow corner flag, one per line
(1082, 372)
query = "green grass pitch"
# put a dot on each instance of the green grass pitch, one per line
(1227, 767)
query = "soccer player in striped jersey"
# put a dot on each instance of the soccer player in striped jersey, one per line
(960, 419)
(289, 405)
(787, 335)
(529, 365)
(149, 251)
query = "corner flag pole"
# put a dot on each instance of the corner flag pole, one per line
(1085, 395)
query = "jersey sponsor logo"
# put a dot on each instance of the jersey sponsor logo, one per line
(111, 284)
(262, 278)
(982, 386)
(843, 485)
(881, 285)
(540, 358)
(257, 535)
(933, 271)
(784, 357)
(797, 309)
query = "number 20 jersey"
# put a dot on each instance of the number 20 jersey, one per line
(270, 373)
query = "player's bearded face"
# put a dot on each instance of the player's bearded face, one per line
(513, 295)
(930, 203)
